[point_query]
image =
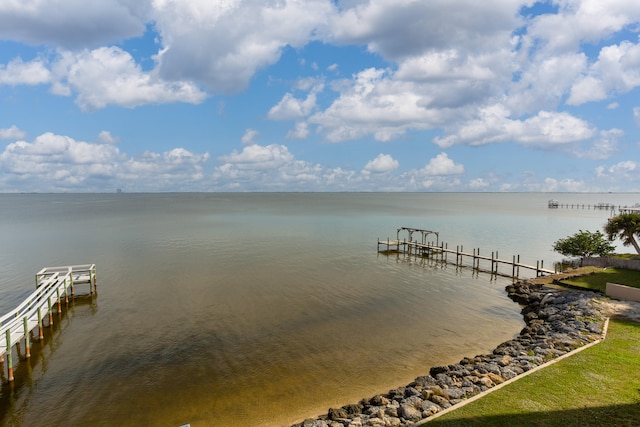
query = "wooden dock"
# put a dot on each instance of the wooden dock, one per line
(53, 285)
(554, 204)
(440, 252)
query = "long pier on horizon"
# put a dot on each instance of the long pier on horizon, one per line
(439, 251)
(555, 204)
(53, 285)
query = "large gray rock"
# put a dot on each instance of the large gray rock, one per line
(410, 412)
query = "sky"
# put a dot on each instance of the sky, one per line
(319, 95)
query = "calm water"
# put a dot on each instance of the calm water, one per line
(258, 309)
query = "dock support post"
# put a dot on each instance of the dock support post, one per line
(9, 356)
(513, 267)
(50, 311)
(518, 269)
(492, 262)
(66, 292)
(473, 261)
(27, 339)
(40, 329)
(58, 300)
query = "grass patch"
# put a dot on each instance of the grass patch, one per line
(596, 387)
(627, 256)
(598, 279)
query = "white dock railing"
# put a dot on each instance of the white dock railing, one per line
(52, 285)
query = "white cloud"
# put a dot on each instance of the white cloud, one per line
(478, 184)
(72, 23)
(443, 165)
(636, 115)
(290, 108)
(274, 168)
(582, 21)
(223, 44)
(59, 163)
(300, 131)
(105, 137)
(105, 76)
(439, 174)
(271, 167)
(49, 153)
(552, 185)
(544, 82)
(622, 170)
(546, 129)
(375, 104)
(249, 136)
(617, 70)
(258, 157)
(604, 146)
(383, 163)
(401, 29)
(620, 176)
(17, 72)
(445, 65)
(12, 133)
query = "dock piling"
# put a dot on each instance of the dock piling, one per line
(9, 356)
(27, 342)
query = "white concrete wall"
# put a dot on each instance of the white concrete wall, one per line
(623, 292)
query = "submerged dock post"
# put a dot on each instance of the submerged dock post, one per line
(493, 262)
(58, 300)
(9, 356)
(50, 311)
(40, 328)
(27, 338)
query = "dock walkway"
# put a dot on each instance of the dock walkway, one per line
(53, 284)
(440, 251)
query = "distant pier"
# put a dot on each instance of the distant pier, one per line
(53, 285)
(554, 204)
(440, 251)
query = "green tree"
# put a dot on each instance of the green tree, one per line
(584, 244)
(626, 226)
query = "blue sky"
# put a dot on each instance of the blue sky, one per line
(317, 95)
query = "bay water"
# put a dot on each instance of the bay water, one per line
(259, 309)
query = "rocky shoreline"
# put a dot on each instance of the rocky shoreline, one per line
(557, 322)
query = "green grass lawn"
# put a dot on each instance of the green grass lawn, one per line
(598, 280)
(599, 386)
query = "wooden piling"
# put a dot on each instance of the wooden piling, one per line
(9, 356)
(40, 326)
(27, 342)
